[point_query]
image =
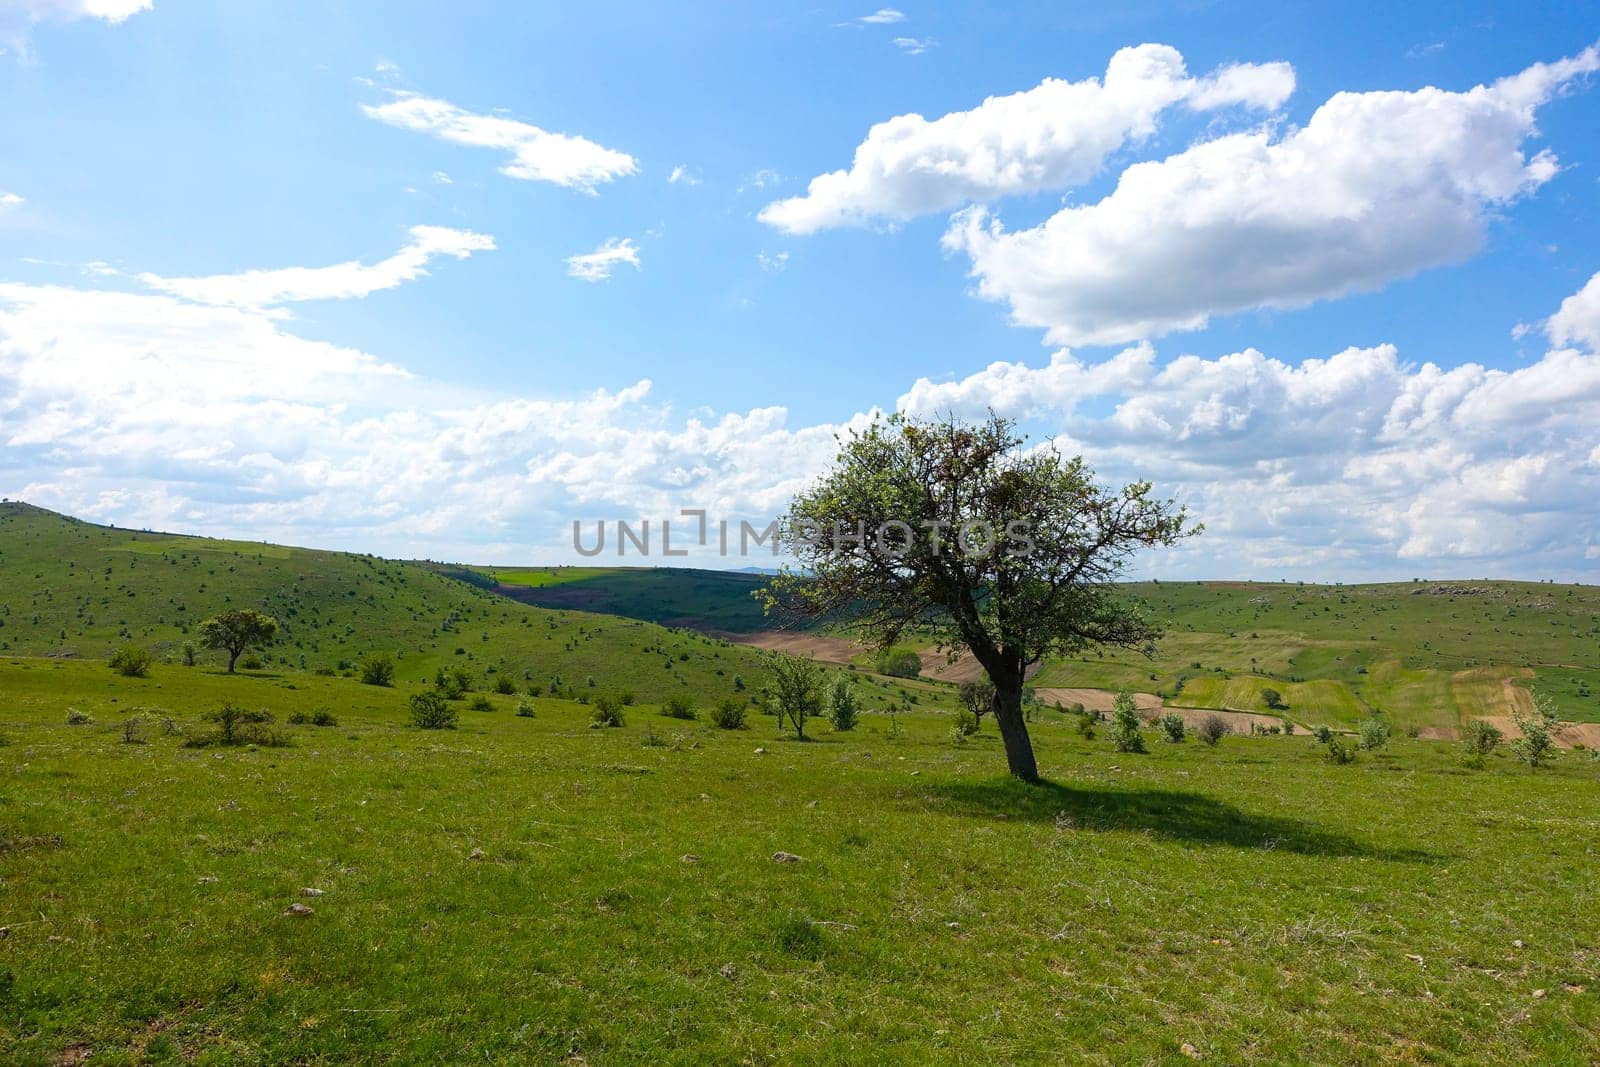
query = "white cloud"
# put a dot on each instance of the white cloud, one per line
(681, 173)
(914, 46)
(774, 262)
(148, 409)
(1377, 186)
(598, 265)
(1055, 135)
(17, 17)
(536, 154)
(9, 200)
(342, 281)
(441, 178)
(1578, 320)
(884, 16)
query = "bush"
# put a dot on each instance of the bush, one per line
(1085, 722)
(1172, 726)
(1323, 735)
(728, 715)
(966, 723)
(131, 661)
(133, 728)
(481, 703)
(1213, 728)
(900, 662)
(607, 711)
(1480, 738)
(842, 707)
(1126, 735)
(1374, 732)
(453, 683)
(525, 710)
(78, 718)
(188, 653)
(431, 711)
(239, 726)
(677, 706)
(251, 662)
(320, 717)
(505, 686)
(1339, 751)
(1538, 742)
(377, 668)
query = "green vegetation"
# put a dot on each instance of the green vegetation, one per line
(530, 890)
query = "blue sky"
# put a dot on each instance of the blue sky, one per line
(469, 388)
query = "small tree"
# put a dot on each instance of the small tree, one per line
(131, 661)
(1480, 738)
(842, 707)
(1537, 744)
(728, 715)
(377, 668)
(978, 698)
(1125, 732)
(1272, 698)
(1374, 732)
(1172, 726)
(797, 690)
(957, 531)
(235, 631)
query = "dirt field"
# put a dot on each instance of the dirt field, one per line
(840, 650)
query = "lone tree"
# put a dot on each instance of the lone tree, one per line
(978, 698)
(955, 530)
(235, 631)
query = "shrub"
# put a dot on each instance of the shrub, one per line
(431, 711)
(505, 686)
(131, 661)
(1172, 726)
(1272, 698)
(1480, 738)
(239, 726)
(133, 730)
(1374, 732)
(1288, 727)
(1085, 722)
(481, 703)
(677, 706)
(525, 710)
(251, 662)
(188, 653)
(78, 718)
(1213, 728)
(966, 723)
(377, 668)
(1339, 751)
(1323, 735)
(842, 706)
(1126, 735)
(900, 662)
(607, 711)
(320, 717)
(1537, 743)
(728, 715)
(628, 698)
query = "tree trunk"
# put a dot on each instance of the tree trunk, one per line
(1014, 730)
(233, 657)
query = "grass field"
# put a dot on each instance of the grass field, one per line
(522, 889)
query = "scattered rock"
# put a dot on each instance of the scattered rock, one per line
(785, 857)
(728, 970)
(1517, 943)
(1413, 957)
(811, 803)
(953, 925)
(689, 857)
(208, 879)
(915, 773)
(1539, 994)
(308, 891)
(476, 854)
(761, 752)
(1189, 1051)
(297, 911)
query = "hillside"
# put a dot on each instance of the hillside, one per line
(1428, 653)
(72, 589)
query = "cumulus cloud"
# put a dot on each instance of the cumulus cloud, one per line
(914, 46)
(1055, 135)
(536, 154)
(1376, 186)
(9, 200)
(884, 16)
(597, 266)
(342, 281)
(682, 174)
(1578, 320)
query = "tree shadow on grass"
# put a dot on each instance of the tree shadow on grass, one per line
(1175, 816)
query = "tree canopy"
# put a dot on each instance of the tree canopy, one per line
(956, 532)
(234, 631)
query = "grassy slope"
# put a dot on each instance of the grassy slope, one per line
(1251, 900)
(1425, 653)
(72, 588)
